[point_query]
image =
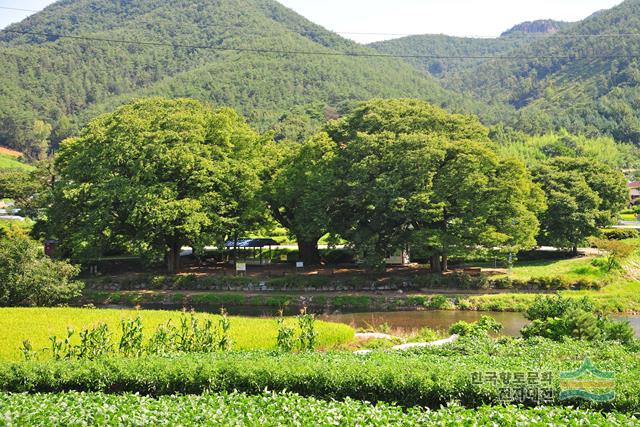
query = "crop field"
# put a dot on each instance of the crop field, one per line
(429, 377)
(38, 324)
(271, 409)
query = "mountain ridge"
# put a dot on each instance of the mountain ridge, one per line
(70, 80)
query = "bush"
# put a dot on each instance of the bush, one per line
(440, 302)
(28, 277)
(338, 256)
(482, 327)
(558, 317)
(556, 306)
(581, 325)
(620, 233)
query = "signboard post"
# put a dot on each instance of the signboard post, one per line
(241, 267)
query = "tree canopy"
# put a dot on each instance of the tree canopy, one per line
(407, 170)
(582, 196)
(298, 191)
(155, 175)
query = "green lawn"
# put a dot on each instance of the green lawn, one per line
(8, 162)
(575, 268)
(38, 324)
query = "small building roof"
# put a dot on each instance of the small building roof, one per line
(633, 184)
(251, 243)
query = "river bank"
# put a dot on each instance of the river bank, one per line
(621, 298)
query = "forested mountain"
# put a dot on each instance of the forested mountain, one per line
(584, 78)
(540, 76)
(456, 53)
(49, 85)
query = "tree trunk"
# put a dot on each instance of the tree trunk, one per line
(173, 259)
(575, 250)
(309, 251)
(445, 263)
(436, 266)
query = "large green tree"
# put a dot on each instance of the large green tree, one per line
(408, 171)
(297, 191)
(582, 196)
(155, 175)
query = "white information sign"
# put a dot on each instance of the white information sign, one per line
(299, 264)
(241, 266)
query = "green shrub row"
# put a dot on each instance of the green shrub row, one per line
(620, 233)
(455, 280)
(464, 281)
(427, 377)
(271, 409)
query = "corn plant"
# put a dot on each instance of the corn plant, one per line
(94, 342)
(163, 341)
(131, 341)
(62, 349)
(27, 350)
(224, 340)
(285, 338)
(308, 335)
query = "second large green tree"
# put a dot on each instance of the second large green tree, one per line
(407, 171)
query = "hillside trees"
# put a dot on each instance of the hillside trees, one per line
(156, 174)
(406, 170)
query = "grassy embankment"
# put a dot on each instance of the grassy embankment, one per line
(621, 294)
(38, 324)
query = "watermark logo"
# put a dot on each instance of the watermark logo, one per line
(587, 382)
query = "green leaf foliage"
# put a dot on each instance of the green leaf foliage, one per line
(408, 170)
(582, 196)
(429, 377)
(156, 174)
(29, 277)
(271, 409)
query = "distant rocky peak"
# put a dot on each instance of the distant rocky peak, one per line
(544, 26)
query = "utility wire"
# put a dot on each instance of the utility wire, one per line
(18, 9)
(505, 38)
(313, 53)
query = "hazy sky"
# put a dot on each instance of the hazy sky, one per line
(485, 18)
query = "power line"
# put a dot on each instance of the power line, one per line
(506, 38)
(18, 9)
(313, 53)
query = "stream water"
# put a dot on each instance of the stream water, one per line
(441, 320)
(402, 320)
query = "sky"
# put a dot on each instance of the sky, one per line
(471, 18)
